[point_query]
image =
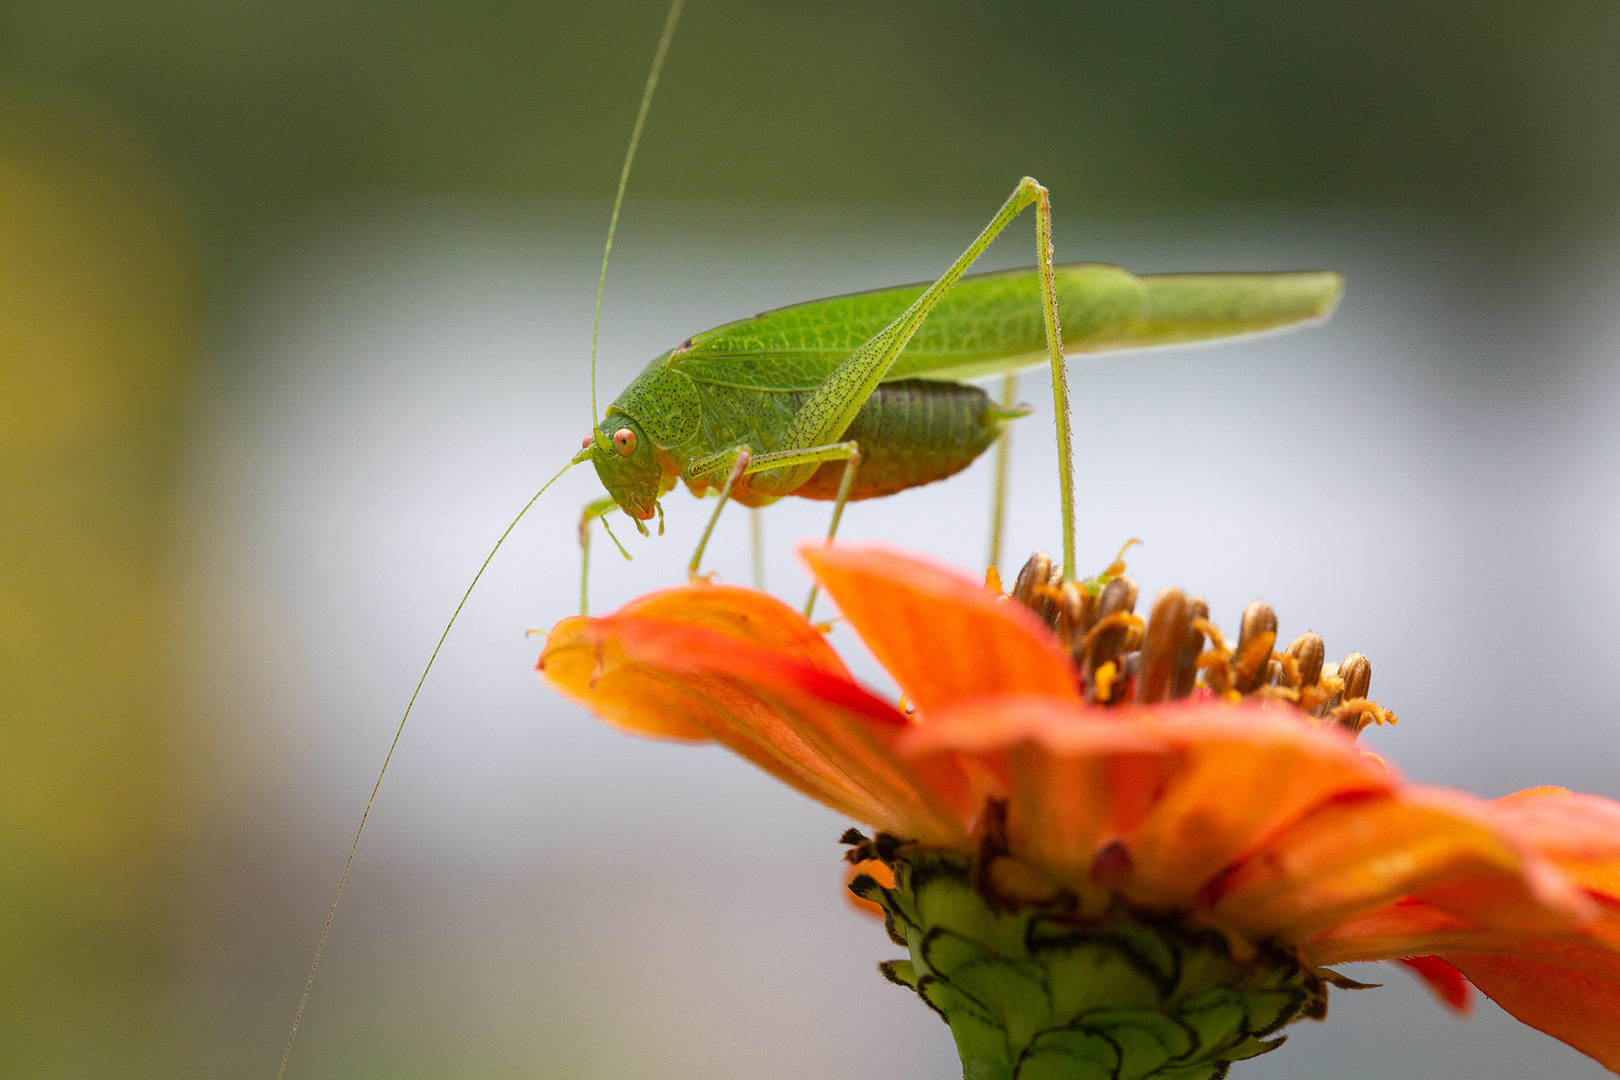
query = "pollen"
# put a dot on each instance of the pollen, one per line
(1177, 652)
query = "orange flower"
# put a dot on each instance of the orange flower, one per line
(1247, 819)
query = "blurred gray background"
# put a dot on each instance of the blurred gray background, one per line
(297, 309)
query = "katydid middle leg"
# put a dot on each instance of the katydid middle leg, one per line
(813, 457)
(844, 484)
(740, 461)
(756, 547)
(998, 500)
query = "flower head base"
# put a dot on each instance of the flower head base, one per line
(1057, 817)
(1032, 988)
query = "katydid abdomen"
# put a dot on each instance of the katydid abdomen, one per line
(911, 432)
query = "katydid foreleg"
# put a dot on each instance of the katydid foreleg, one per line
(593, 510)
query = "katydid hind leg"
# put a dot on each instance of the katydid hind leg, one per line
(829, 411)
(1060, 373)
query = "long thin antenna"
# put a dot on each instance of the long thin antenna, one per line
(343, 880)
(624, 180)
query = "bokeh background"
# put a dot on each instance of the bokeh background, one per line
(295, 310)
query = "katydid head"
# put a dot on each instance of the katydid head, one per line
(625, 463)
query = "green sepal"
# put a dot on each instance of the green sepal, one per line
(1038, 991)
(899, 972)
(1343, 982)
(867, 887)
(1209, 1070)
(1255, 1047)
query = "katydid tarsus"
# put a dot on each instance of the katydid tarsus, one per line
(859, 396)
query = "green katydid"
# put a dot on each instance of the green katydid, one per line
(782, 404)
(803, 399)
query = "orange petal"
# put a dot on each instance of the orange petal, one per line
(812, 728)
(577, 655)
(825, 717)
(1567, 983)
(1245, 774)
(1071, 782)
(1187, 788)
(586, 659)
(1352, 856)
(745, 614)
(940, 634)
(575, 661)
(1445, 981)
(1579, 834)
(1579, 1007)
(1407, 927)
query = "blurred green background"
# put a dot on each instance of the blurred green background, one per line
(155, 156)
(1502, 113)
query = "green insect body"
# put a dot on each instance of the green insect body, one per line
(742, 384)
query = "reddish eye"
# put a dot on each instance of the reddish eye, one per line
(585, 444)
(624, 440)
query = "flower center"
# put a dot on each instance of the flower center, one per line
(1178, 652)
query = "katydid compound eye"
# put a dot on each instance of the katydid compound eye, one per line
(625, 441)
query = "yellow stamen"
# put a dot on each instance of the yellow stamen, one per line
(1117, 567)
(1104, 680)
(1127, 619)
